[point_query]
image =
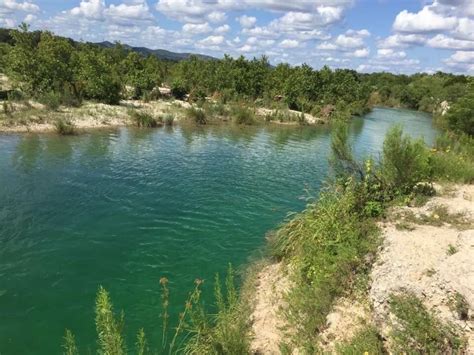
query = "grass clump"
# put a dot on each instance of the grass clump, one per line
(143, 119)
(326, 245)
(226, 331)
(243, 115)
(459, 305)
(197, 115)
(366, 341)
(64, 127)
(418, 331)
(195, 331)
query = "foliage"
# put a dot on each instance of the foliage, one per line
(417, 330)
(109, 329)
(64, 127)
(461, 115)
(224, 332)
(143, 119)
(366, 341)
(405, 162)
(197, 115)
(243, 115)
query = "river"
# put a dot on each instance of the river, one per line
(122, 208)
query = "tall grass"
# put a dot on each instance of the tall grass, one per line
(243, 115)
(195, 332)
(143, 119)
(197, 115)
(64, 127)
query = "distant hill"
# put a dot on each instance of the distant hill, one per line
(159, 53)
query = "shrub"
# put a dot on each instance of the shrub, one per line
(143, 119)
(405, 162)
(197, 115)
(51, 100)
(461, 115)
(64, 127)
(418, 330)
(178, 89)
(168, 119)
(243, 115)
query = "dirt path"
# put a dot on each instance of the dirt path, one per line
(266, 318)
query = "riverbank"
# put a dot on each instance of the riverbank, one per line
(29, 116)
(426, 259)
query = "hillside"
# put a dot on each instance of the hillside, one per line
(162, 54)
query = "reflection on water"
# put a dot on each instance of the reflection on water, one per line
(123, 207)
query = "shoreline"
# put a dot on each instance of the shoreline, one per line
(36, 118)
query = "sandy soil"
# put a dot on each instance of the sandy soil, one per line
(267, 323)
(89, 116)
(418, 261)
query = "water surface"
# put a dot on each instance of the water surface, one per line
(123, 208)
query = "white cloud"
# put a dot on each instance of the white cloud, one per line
(444, 42)
(289, 43)
(192, 28)
(217, 16)
(388, 53)
(90, 9)
(10, 6)
(360, 53)
(137, 10)
(402, 41)
(222, 29)
(424, 21)
(247, 21)
(212, 41)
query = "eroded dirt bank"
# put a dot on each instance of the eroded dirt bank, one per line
(427, 251)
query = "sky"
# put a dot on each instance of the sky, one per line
(400, 36)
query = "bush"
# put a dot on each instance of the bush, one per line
(51, 100)
(168, 119)
(197, 115)
(64, 127)
(178, 89)
(405, 162)
(243, 115)
(143, 119)
(460, 116)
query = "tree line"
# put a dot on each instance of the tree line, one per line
(42, 64)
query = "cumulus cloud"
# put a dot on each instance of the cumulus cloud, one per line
(445, 42)
(289, 43)
(200, 28)
(247, 21)
(426, 20)
(10, 6)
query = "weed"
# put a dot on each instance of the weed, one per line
(143, 119)
(459, 305)
(64, 127)
(404, 226)
(196, 115)
(452, 250)
(243, 115)
(366, 341)
(430, 272)
(418, 331)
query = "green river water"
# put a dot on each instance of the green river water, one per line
(122, 208)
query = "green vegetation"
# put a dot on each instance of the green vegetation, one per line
(59, 71)
(197, 115)
(418, 331)
(64, 127)
(243, 115)
(460, 306)
(366, 341)
(224, 332)
(143, 119)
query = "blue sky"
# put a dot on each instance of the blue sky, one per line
(403, 36)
